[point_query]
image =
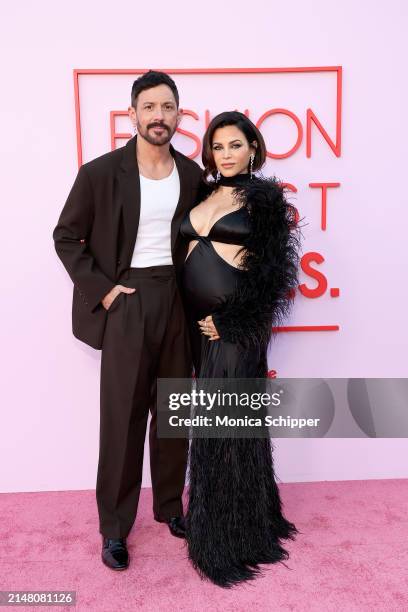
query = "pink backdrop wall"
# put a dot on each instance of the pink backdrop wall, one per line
(50, 388)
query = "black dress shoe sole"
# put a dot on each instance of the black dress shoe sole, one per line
(115, 569)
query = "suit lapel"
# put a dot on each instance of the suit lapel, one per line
(129, 182)
(184, 199)
(129, 185)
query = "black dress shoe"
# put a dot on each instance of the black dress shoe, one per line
(115, 554)
(177, 526)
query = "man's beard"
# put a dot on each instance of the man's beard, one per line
(156, 139)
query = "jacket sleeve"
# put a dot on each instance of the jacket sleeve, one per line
(265, 294)
(71, 242)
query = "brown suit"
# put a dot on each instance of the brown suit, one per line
(143, 335)
(96, 232)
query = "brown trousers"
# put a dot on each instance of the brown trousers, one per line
(145, 338)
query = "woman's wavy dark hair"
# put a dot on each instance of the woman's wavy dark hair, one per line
(246, 126)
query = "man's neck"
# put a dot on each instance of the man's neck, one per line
(152, 155)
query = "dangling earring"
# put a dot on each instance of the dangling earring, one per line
(251, 165)
(134, 130)
(218, 176)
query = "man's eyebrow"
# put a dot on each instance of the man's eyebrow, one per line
(230, 142)
(166, 102)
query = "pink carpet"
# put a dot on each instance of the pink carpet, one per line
(351, 556)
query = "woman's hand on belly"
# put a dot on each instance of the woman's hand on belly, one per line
(208, 328)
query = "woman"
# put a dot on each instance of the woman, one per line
(241, 264)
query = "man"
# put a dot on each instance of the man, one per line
(118, 238)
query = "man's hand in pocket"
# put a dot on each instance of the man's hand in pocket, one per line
(113, 294)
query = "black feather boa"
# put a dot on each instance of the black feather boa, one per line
(271, 259)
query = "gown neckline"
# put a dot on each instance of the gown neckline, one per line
(214, 224)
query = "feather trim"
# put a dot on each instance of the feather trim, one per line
(265, 294)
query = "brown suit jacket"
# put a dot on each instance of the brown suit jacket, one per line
(96, 232)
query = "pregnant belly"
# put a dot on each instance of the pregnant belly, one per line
(207, 279)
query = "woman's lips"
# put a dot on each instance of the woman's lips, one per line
(227, 165)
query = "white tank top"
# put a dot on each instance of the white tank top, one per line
(158, 202)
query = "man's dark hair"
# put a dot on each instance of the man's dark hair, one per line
(152, 79)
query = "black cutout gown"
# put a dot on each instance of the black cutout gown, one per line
(234, 518)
